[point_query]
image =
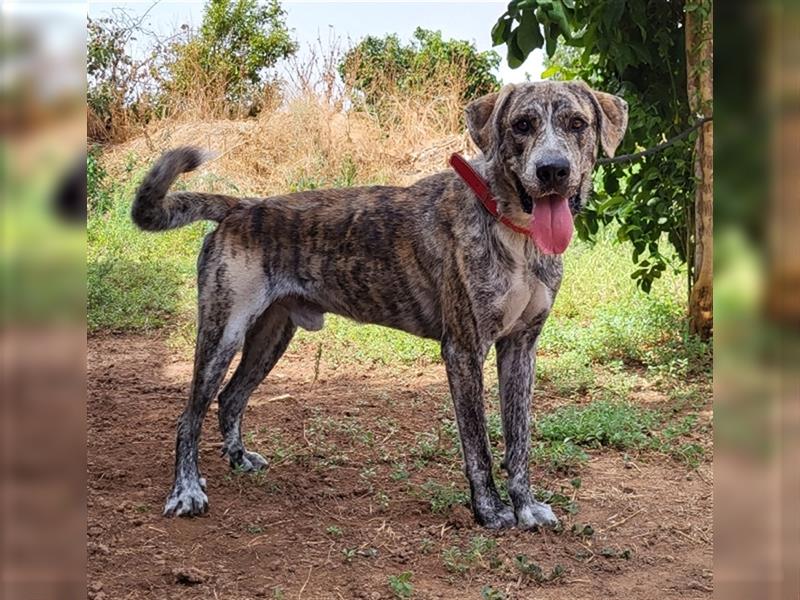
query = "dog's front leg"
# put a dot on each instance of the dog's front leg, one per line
(515, 366)
(465, 376)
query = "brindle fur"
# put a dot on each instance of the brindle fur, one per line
(427, 259)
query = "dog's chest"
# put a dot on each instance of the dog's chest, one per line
(525, 299)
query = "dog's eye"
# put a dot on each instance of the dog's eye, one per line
(522, 126)
(577, 124)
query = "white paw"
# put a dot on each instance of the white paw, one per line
(250, 461)
(536, 514)
(186, 500)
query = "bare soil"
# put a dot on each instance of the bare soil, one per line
(327, 520)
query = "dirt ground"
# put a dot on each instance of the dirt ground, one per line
(333, 517)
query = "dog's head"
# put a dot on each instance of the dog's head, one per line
(540, 142)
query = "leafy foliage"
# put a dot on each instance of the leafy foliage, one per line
(377, 61)
(401, 584)
(620, 425)
(634, 48)
(238, 41)
(118, 85)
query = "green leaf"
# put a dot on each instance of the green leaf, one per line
(613, 12)
(528, 35)
(551, 31)
(558, 15)
(550, 71)
(500, 31)
(515, 56)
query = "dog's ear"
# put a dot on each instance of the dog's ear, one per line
(482, 118)
(613, 120)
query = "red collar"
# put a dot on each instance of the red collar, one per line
(482, 191)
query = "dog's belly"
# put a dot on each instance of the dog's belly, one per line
(379, 299)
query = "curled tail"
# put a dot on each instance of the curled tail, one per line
(155, 210)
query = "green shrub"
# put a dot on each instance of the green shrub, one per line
(377, 64)
(238, 42)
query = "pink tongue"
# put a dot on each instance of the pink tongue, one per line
(552, 224)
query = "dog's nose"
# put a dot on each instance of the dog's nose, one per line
(553, 172)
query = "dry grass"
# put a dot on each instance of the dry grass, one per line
(318, 135)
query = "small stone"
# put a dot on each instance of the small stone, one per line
(189, 575)
(96, 548)
(95, 586)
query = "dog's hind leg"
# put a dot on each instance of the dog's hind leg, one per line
(266, 341)
(216, 346)
(515, 367)
(228, 303)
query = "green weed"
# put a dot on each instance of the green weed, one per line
(443, 497)
(334, 531)
(480, 552)
(560, 457)
(489, 593)
(401, 585)
(619, 425)
(535, 572)
(568, 373)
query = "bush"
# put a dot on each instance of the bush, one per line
(237, 43)
(377, 66)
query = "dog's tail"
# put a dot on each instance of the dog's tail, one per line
(155, 210)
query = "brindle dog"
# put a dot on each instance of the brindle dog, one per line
(427, 259)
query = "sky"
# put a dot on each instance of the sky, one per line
(464, 20)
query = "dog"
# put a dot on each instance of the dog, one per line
(436, 259)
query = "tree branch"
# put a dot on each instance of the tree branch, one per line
(626, 158)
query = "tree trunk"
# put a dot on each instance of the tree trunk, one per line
(700, 87)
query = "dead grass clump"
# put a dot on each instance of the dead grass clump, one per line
(321, 134)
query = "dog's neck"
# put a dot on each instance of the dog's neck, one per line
(518, 244)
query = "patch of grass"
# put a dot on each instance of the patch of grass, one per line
(382, 499)
(569, 373)
(560, 457)
(443, 497)
(346, 342)
(434, 446)
(334, 531)
(613, 424)
(489, 593)
(137, 281)
(399, 472)
(619, 425)
(401, 585)
(480, 552)
(535, 572)
(348, 554)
